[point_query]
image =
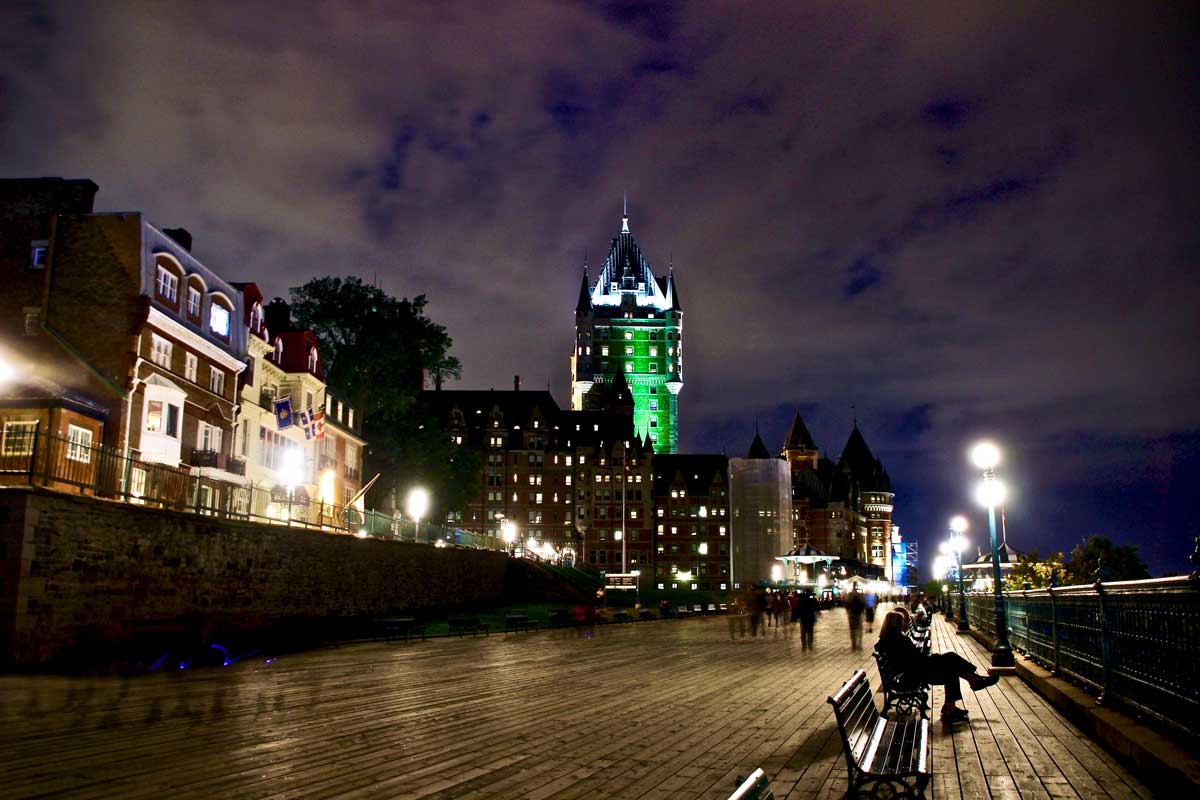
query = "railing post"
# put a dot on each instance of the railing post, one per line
(1054, 621)
(37, 434)
(1105, 644)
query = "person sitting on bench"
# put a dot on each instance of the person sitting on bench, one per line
(941, 668)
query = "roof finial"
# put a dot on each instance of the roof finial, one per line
(854, 413)
(625, 213)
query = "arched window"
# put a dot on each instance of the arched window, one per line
(255, 316)
(278, 350)
(312, 360)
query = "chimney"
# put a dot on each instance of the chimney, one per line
(181, 237)
(516, 383)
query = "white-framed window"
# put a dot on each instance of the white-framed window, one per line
(17, 437)
(653, 367)
(278, 350)
(216, 381)
(629, 366)
(653, 404)
(137, 483)
(193, 302)
(79, 444)
(190, 363)
(603, 349)
(160, 349)
(629, 350)
(351, 455)
(218, 320)
(168, 284)
(653, 351)
(312, 360)
(33, 320)
(209, 438)
(162, 418)
(629, 334)
(256, 316)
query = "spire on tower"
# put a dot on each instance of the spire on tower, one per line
(625, 213)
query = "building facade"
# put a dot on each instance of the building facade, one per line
(692, 547)
(630, 324)
(761, 515)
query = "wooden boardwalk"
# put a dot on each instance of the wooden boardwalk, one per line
(672, 709)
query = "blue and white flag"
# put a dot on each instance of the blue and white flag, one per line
(283, 412)
(312, 423)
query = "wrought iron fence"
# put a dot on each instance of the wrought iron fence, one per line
(1136, 641)
(29, 456)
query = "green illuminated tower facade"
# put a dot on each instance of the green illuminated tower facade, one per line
(629, 332)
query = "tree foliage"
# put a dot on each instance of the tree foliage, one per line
(1038, 572)
(377, 350)
(1114, 562)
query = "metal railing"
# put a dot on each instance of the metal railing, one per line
(1135, 641)
(32, 457)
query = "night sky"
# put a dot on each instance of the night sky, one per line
(959, 220)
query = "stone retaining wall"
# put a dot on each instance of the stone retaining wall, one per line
(77, 569)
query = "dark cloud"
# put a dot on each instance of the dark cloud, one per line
(960, 218)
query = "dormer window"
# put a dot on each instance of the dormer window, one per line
(255, 316)
(193, 302)
(312, 360)
(278, 351)
(167, 285)
(218, 320)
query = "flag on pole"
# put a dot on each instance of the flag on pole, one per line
(313, 423)
(283, 412)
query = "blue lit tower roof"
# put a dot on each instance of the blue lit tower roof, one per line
(627, 273)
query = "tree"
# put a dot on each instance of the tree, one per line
(1118, 562)
(1037, 571)
(377, 350)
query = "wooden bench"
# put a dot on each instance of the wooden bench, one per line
(397, 627)
(682, 612)
(756, 787)
(621, 616)
(464, 625)
(724, 608)
(697, 609)
(517, 622)
(645, 614)
(892, 757)
(901, 693)
(560, 618)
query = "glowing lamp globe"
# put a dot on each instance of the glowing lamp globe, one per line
(417, 503)
(985, 455)
(958, 524)
(990, 494)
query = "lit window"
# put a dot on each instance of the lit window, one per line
(168, 284)
(604, 350)
(160, 350)
(218, 320)
(628, 334)
(629, 366)
(79, 444)
(670, 367)
(312, 360)
(33, 320)
(209, 438)
(350, 417)
(193, 302)
(653, 367)
(629, 350)
(653, 351)
(653, 403)
(38, 252)
(17, 437)
(216, 381)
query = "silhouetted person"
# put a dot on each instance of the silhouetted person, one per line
(806, 611)
(941, 668)
(758, 607)
(855, 606)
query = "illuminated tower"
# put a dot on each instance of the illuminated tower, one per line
(630, 323)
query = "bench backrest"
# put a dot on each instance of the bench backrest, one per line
(856, 716)
(756, 787)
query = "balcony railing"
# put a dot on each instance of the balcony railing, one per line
(351, 473)
(211, 458)
(1135, 641)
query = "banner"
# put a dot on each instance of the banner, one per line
(313, 423)
(283, 412)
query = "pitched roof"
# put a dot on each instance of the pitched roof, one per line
(673, 291)
(699, 470)
(757, 448)
(585, 295)
(798, 437)
(861, 467)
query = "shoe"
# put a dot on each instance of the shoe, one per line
(983, 683)
(954, 715)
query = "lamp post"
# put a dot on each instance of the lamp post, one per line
(990, 493)
(958, 543)
(508, 531)
(292, 472)
(415, 505)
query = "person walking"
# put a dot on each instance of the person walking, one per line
(758, 607)
(806, 611)
(855, 607)
(869, 614)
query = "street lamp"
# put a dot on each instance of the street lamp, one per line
(415, 505)
(958, 543)
(508, 531)
(990, 493)
(292, 472)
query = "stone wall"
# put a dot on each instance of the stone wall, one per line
(78, 569)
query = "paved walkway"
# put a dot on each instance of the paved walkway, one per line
(649, 710)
